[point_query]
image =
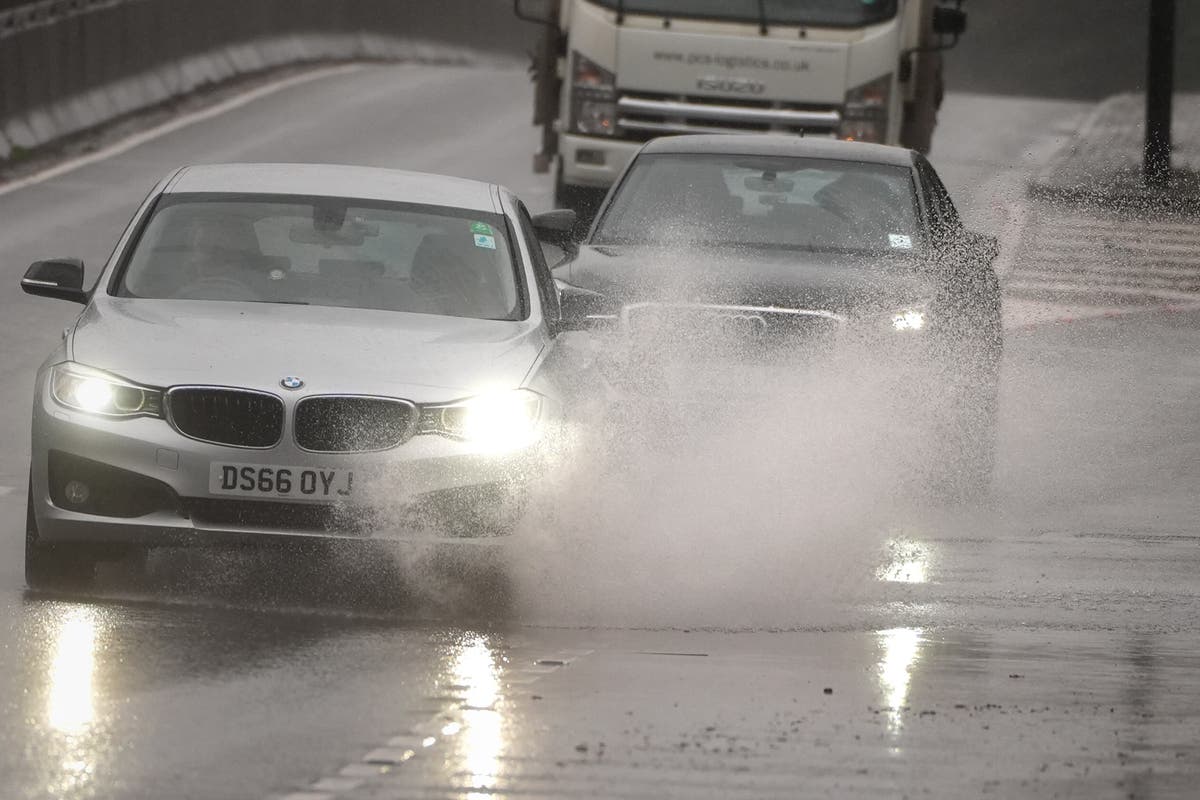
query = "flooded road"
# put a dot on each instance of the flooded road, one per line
(1045, 645)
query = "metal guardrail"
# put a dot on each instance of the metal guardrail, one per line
(48, 12)
(70, 65)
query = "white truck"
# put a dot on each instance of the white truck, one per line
(612, 74)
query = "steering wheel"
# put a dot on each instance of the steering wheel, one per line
(217, 288)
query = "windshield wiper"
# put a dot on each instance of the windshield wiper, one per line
(762, 17)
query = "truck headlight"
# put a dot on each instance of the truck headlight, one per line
(593, 98)
(865, 113)
(95, 392)
(496, 421)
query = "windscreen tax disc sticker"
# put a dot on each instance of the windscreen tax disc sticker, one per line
(481, 228)
(900, 241)
(484, 241)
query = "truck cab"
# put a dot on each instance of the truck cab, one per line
(612, 74)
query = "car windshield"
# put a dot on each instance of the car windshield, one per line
(836, 13)
(326, 251)
(765, 202)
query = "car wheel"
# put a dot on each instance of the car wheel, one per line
(583, 200)
(53, 566)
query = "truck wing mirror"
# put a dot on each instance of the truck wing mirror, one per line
(60, 278)
(949, 21)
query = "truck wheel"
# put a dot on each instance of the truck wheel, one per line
(920, 114)
(583, 200)
(52, 567)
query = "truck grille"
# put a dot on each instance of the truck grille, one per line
(236, 417)
(648, 116)
(353, 424)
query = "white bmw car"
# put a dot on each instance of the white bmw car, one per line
(291, 351)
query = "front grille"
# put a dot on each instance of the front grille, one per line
(236, 417)
(709, 327)
(353, 424)
(275, 516)
(644, 116)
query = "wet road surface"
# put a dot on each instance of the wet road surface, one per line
(1043, 646)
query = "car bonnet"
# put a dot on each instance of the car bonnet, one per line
(421, 357)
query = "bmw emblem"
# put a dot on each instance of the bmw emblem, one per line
(291, 382)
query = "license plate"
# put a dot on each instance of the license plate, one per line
(264, 480)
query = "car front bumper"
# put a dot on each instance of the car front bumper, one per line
(149, 485)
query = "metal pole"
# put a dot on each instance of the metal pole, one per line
(1160, 79)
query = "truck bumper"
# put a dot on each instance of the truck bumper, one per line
(594, 161)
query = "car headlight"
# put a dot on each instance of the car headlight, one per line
(865, 113)
(505, 420)
(909, 319)
(95, 392)
(593, 98)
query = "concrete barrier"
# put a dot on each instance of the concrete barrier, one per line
(67, 66)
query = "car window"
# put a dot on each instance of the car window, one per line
(326, 251)
(767, 202)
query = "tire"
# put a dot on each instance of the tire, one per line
(54, 567)
(920, 114)
(583, 200)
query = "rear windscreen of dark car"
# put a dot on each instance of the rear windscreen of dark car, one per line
(326, 251)
(764, 201)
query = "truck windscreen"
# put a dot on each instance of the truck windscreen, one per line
(832, 13)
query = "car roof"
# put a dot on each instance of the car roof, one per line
(782, 145)
(332, 180)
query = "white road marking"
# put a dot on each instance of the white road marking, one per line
(179, 123)
(5, 491)
(427, 736)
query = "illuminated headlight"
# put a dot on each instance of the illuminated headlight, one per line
(593, 98)
(90, 390)
(911, 319)
(495, 421)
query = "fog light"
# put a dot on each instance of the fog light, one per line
(592, 157)
(77, 492)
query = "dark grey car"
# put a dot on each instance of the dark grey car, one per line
(757, 243)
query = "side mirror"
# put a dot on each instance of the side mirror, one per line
(557, 229)
(582, 309)
(949, 21)
(60, 278)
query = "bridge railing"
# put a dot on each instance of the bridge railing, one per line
(70, 65)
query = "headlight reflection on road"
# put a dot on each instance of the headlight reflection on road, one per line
(907, 562)
(901, 652)
(70, 692)
(70, 709)
(482, 736)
